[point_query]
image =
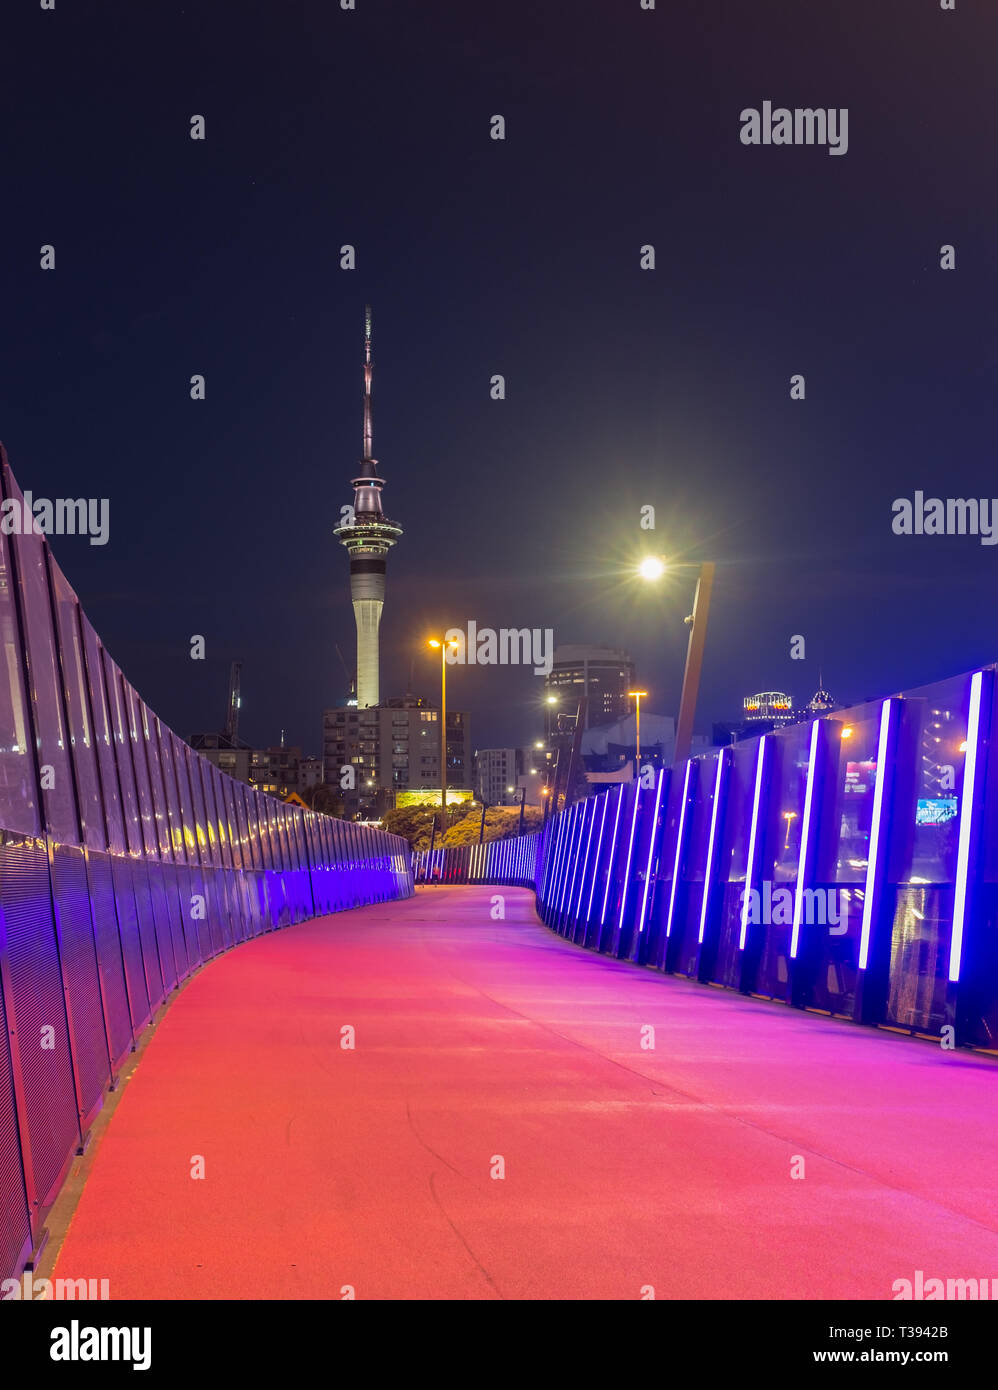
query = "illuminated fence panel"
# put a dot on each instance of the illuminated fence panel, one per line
(847, 865)
(511, 861)
(126, 861)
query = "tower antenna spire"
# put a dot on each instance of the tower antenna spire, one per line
(368, 370)
(368, 535)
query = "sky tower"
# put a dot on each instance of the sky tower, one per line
(368, 536)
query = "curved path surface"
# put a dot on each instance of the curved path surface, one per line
(483, 1045)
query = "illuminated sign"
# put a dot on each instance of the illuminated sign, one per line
(428, 796)
(860, 776)
(935, 810)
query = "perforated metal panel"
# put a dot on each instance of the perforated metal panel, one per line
(211, 925)
(15, 1230)
(36, 1016)
(78, 951)
(161, 921)
(176, 921)
(131, 942)
(109, 957)
(185, 891)
(151, 962)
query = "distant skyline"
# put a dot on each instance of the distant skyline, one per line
(625, 387)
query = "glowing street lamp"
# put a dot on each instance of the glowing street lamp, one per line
(443, 645)
(651, 568)
(636, 695)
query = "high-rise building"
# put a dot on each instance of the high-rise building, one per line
(820, 702)
(772, 707)
(496, 773)
(371, 754)
(276, 770)
(768, 710)
(230, 754)
(368, 536)
(603, 675)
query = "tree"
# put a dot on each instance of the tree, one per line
(325, 799)
(413, 823)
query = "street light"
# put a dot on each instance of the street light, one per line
(636, 695)
(443, 645)
(652, 567)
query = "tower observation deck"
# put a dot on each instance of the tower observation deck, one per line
(368, 536)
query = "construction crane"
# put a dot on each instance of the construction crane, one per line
(232, 713)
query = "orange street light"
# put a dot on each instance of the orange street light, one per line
(443, 644)
(636, 695)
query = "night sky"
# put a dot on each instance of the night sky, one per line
(624, 387)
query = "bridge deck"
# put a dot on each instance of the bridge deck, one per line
(624, 1167)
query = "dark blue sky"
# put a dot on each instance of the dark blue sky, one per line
(624, 387)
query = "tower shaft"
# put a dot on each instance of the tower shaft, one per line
(368, 536)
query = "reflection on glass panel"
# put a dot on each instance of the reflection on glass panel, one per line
(926, 821)
(165, 739)
(114, 685)
(733, 858)
(44, 677)
(196, 766)
(77, 709)
(699, 832)
(252, 831)
(103, 739)
(137, 742)
(183, 755)
(236, 836)
(147, 726)
(210, 814)
(843, 846)
(920, 958)
(789, 783)
(18, 788)
(219, 820)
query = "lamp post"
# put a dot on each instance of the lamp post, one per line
(443, 645)
(652, 567)
(636, 696)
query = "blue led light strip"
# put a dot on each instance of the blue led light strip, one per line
(573, 816)
(805, 840)
(605, 798)
(751, 869)
(708, 872)
(580, 826)
(585, 862)
(967, 811)
(630, 851)
(680, 836)
(876, 828)
(651, 848)
(555, 832)
(613, 850)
